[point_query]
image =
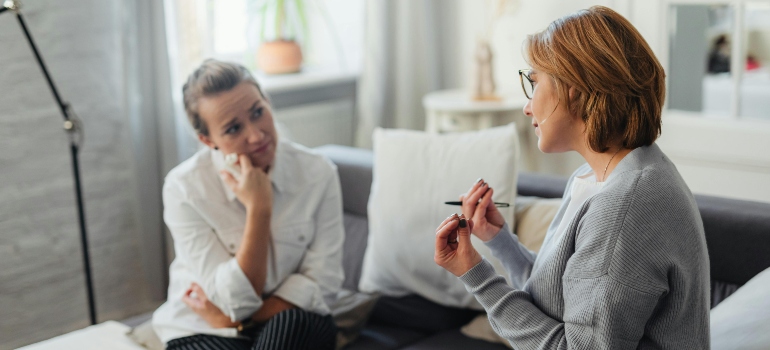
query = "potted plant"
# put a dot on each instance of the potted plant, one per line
(279, 52)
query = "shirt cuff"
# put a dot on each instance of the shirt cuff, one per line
(304, 293)
(235, 295)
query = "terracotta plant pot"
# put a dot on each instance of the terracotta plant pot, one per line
(279, 57)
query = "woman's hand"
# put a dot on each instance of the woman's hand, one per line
(202, 306)
(486, 218)
(254, 188)
(454, 251)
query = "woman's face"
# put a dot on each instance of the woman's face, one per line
(556, 128)
(240, 121)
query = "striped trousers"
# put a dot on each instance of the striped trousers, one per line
(293, 329)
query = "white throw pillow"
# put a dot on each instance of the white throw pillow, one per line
(742, 321)
(414, 174)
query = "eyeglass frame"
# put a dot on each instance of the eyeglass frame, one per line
(524, 73)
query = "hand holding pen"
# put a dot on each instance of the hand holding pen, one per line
(477, 205)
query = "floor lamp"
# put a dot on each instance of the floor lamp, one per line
(74, 130)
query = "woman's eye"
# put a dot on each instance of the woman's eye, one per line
(258, 112)
(233, 129)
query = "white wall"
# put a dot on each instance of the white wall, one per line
(42, 288)
(527, 17)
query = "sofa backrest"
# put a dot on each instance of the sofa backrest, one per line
(737, 231)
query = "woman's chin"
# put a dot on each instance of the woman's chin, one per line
(262, 160)
(546, 148)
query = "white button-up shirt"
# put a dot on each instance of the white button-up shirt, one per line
(207, 223)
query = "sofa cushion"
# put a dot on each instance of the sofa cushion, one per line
(533, 216)
(419, 314)
(481, 329)
(742, 321)
(453, 339)
(414, 174)
(382, 337)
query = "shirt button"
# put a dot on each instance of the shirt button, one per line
(232, 246)
(301, 238)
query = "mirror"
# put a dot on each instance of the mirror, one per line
(699, 77)
(755, 83)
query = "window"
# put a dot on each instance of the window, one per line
(233, 30)
(719, 58)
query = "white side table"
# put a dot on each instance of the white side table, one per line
(454, 110)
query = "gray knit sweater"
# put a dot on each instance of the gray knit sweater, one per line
(631, 270)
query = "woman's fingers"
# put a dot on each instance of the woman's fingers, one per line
(443, 235)
(486, 201)
(473, 198)
(245, 162)
(229, 179)
(191, 300)
(475, 186)
(449, 218)
(463, 231)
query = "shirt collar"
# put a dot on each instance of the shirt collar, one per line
(276, 173)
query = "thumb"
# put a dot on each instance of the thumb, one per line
(464, 232)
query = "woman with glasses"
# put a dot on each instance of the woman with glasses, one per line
(624, 264)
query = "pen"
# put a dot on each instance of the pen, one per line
(497, 204)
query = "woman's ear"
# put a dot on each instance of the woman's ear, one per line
(572, 93)
(207, 141)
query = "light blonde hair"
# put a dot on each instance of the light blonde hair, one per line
(211, 78)
(619, 84)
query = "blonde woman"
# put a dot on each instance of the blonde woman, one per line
(258, 244)
(624, 264)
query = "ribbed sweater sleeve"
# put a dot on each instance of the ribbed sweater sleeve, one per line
(600, 313)
(516, 258)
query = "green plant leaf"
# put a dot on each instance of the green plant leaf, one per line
(280, 18)
(302, 18)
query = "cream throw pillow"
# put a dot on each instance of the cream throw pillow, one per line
(414, 174)
(533, 216)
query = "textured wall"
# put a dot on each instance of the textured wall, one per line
(42, 291)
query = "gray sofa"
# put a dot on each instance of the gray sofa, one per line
(737, 233)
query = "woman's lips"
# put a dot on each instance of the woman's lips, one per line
(262, 148)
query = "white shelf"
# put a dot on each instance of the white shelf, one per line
(307, 78)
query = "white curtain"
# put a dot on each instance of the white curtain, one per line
(408, 52)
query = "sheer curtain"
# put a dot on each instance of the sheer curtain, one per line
(410, 50)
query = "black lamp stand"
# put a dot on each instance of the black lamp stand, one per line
(73, 128)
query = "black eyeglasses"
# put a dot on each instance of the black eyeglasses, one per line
(529, 89)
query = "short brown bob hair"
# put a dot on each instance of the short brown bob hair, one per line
(619, 84)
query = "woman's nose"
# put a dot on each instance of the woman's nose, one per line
(528, 109)
(255, 134)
